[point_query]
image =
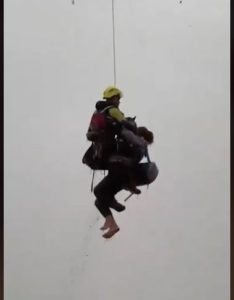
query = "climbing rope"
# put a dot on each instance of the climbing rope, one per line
(114, 52)
(113, 35)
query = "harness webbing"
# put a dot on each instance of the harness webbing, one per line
(147, 155)
(92, 181)
(106, 108)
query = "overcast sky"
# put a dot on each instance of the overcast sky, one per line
(172, 63)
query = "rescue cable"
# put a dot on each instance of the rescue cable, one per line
(114, 52)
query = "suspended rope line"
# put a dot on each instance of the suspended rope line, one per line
(114, 52)
(129, 196)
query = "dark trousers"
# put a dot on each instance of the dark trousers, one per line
(117, 178)
(106, 190)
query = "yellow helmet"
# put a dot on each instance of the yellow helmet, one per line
(111, 91)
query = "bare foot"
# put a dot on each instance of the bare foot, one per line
(104, 227)
(108, 223)
(111, 232)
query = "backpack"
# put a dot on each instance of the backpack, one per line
(98, 125)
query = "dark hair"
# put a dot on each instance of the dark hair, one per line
(146, 134)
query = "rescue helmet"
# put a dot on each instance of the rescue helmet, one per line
(111, 91)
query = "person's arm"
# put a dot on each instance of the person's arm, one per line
(116, 114)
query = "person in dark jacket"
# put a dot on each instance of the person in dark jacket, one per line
(123, 174)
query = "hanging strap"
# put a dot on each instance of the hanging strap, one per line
(148, 159)
(129, 196)
(92, 181)
(147, 155)
(106, 108)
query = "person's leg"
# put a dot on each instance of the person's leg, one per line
(110, 222)
(102, 207)
(105, 192)
(131, 186)
(116, 205)
(112, 227)
(126, 175)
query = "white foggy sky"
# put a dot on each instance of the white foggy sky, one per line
(173, 68)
